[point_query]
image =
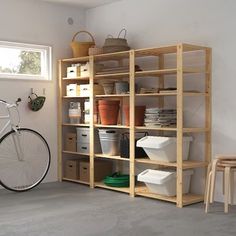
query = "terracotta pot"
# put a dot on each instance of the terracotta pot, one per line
(108, 111)
(139, 115)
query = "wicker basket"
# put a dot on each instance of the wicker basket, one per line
(116, 44)
(95, 51)
(80, 49)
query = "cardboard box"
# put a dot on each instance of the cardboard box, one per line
(73, 72)
(70, 142)
(72, 169)
(101, 170)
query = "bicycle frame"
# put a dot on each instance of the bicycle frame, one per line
(10, 123)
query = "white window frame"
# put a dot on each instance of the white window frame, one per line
(46, 61)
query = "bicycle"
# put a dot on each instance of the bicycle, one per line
(24, 153)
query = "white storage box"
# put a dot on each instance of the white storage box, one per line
(84, 70)
(72, 90)
(164, 182)
(73, 72)
(85, 90)
(163, 148)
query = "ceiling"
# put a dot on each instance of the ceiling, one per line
(83, 3)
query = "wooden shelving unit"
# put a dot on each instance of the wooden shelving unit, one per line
(161, 73)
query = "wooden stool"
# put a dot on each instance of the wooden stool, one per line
(227, 165)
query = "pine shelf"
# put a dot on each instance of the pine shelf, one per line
(102, 185)
(186, 164)
(111, 157)
(188, 199)
(75, 125)
(75, 181)
(131, 57)
(75, 153)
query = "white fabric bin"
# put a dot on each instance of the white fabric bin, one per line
(164, 182)
(163, 148)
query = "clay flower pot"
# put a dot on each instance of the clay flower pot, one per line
(139, 115)
(108, 111)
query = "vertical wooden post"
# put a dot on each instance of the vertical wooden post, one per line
(179, 183)
(132, 121)
(91, 123)
(59, 170)
(208, 68)
(161, 79)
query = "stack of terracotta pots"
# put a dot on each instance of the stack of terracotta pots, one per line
(108, 111)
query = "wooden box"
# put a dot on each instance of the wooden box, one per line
(101, 170)
(70, 142)
(72, 169)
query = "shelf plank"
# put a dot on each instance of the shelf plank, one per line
(102, 185)
(112, 75)
(68, 97)
(156, 128)
(144, 192)
(112, 96)
(112, 56)
(190, 198)
(75, 153)
(155, 72)
(75, 125)
(189, 47)
(185, 130)
(76, 78)
(195, 94)
(155, 51)
(76, 59)
(111, 157)
(171, 94)
(112, 126)
(195, 130)
(155, 94)
(187, 198)
(186, 164)
(75, 181)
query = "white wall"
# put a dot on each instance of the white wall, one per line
(40, 23)
(153, 23)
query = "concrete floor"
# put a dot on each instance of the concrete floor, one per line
(74, 210)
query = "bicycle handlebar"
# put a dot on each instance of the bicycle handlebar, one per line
(13, 104)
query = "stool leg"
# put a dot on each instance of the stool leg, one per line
(227, 182)
(207, 181)
(223, 182)
(213, 178)
(232, 187)
(208, 188)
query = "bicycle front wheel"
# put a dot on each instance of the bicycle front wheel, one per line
(24, 159)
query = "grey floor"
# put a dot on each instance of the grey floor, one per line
(75, 210)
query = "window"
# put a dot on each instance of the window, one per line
(25, 61)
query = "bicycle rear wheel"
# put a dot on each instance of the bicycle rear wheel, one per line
(24, 172)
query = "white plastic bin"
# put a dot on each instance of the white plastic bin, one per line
(164, 182)
(163, 148)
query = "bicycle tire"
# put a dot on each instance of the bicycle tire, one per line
(47, 166)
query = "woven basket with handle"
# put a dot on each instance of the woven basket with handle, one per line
(116, 44)
(80, 49)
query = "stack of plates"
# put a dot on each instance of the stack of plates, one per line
(160, 117)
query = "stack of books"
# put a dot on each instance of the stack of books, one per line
(159, 117)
